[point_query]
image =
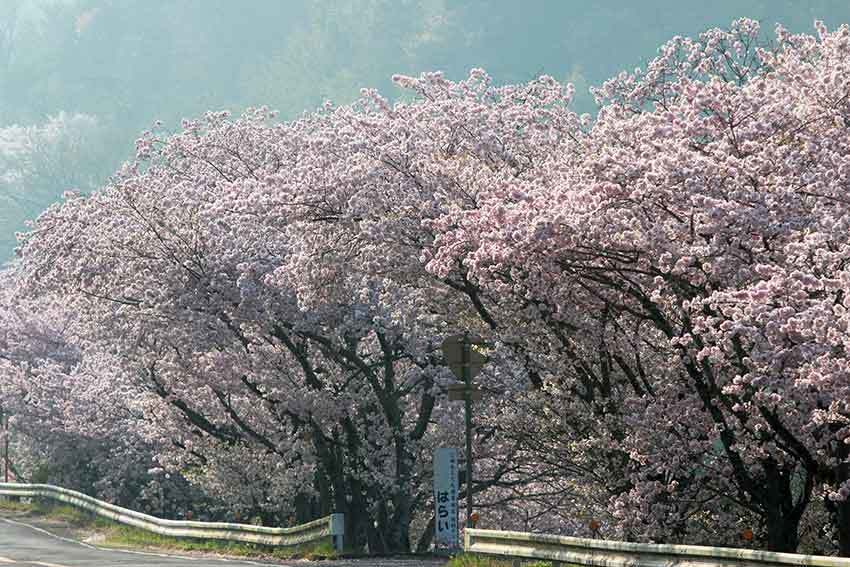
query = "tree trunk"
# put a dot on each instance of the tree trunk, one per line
(308, 508)
(401, 534)
(782, 534)
(842, 523)
(352, 516)
(782, 510)
(840, 515)
(381, 525)
(398, 538)
(398, 534)
(840, 511)
(426, 538)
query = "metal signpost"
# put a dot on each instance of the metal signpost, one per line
(4, 421)
(445, 498)
(465, 363)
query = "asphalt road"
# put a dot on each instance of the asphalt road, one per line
(22, 545)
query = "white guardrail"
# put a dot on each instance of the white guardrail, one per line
(327, 527)
(602, 553)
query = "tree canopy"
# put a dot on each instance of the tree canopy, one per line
(256, 306)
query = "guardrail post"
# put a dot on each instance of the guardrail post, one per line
(337, 531)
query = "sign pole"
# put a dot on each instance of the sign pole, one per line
(5, 420)
(467, 399)
(465, 363)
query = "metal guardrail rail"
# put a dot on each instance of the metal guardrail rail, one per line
(602, 553)
(327, 527)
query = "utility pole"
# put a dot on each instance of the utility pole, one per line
(467, 402)
(465, 363)
(5, 419)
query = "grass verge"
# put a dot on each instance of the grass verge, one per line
(74, 517)
(14, 505)
(473, 560)
(106, 533)
(117, 535)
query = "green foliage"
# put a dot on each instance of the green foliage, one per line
(40, 474)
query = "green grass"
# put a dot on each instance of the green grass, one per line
(62, 513)
(126, 536)
(74, 517)
(14, 505)
(118, 535)
(472, 560)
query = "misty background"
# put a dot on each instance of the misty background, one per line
(81, 79)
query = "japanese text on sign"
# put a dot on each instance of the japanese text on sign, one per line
(445, 497)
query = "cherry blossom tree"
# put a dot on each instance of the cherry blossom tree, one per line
(202, 289)
(703, 224)
(253, 277)
(65, 427)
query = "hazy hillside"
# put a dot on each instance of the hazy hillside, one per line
(124, 64)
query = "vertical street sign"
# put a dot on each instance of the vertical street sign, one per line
(445, 497)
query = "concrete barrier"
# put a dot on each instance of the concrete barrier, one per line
(328, 527)
(602, 553)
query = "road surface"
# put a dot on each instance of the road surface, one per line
(23, 545)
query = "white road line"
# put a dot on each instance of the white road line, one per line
(43, 564)
(4, 560)
(119, 550)
(151, 554)
(191, 557)
(47, 533)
